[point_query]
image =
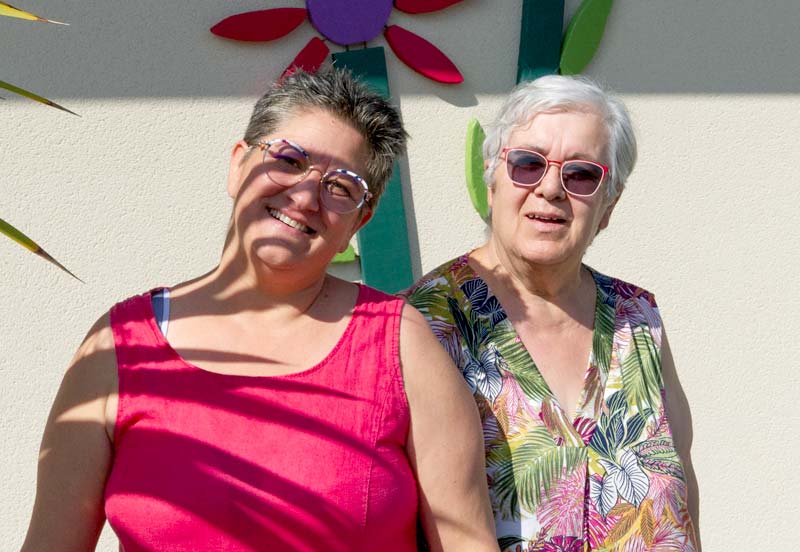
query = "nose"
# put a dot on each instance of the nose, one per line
(550, 187)
(305, 194)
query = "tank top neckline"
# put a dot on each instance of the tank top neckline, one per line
(162, 342)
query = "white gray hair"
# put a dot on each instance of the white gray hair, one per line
(561, 93)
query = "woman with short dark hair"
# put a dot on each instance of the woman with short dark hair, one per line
(267, 405)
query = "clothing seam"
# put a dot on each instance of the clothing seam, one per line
(395, 314)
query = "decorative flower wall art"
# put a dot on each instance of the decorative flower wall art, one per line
(347, 23)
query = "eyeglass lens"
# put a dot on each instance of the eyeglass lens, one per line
(340, 191)
(528, 168)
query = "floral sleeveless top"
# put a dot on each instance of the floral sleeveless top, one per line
(610, 479)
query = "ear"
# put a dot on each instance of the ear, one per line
(358, 224)
(489, 189)
(607, 215)
(236, 168)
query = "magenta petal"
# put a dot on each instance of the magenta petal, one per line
(310, 58)
(423, 6)
(422, 56)
(260, 26)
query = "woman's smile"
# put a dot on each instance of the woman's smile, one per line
(291, 222)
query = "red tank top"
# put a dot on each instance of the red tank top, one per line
(313, 461)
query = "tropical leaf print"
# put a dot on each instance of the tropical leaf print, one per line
(448, 338)
(610, 479)
(647, 523)
(585, 427)
(508, 541)
(427, 297)
(602, 337)
(482, 301)
(641, 372)
(483, 374)
(523, 473)
(519, 363)
(632, 483)
(472, 330)
(659, 456)
(603, 492)
(596, 528)
(617, 536)
(616, 428)
(563, 544)
(562, 510)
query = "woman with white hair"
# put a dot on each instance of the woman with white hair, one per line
(586, 429)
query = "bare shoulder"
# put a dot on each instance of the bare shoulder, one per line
(429, 374)
(417, 342)
(76, 451)
(89, 388)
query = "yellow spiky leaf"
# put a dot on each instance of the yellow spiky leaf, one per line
(10, 11)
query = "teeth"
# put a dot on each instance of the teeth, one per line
(552, 219)
(290, 222)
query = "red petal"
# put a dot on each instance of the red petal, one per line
(260, 26)
(423, 6)
(422, 56)
(309, 59)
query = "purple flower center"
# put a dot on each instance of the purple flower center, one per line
(348, 22)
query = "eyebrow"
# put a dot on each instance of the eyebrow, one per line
(575, 156)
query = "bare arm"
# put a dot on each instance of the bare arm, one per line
(445, 444)
(76, 451)
(680, 421)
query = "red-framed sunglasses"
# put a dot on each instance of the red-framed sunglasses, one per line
(578, 177)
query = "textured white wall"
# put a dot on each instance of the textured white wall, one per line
(131, 195)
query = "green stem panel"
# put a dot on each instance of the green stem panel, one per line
(383, 243)
(540, 38)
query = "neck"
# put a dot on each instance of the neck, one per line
(554, 283)
(239, 285)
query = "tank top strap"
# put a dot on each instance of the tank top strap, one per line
(376, 329)
(133, 325)
(146, 364)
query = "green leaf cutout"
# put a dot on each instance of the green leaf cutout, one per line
(30, 245)
(346, 256)
(583, 35)
(34, 97)
(474, 168)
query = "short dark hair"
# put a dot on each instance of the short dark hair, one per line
(339, 92)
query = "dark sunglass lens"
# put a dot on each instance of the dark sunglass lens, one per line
(285, 162)
(525, 167)
(581, 178)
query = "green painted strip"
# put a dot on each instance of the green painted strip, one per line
(540, 38)
(346, 256)
(383, 243)
(474, 168)
(583, 35)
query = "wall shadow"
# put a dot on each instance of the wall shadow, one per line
(139, 49)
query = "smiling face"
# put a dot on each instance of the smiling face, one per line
(544, 225)
(288, 228)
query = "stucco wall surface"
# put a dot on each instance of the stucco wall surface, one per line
(131, 195)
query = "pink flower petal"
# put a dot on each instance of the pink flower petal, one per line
(310, 58)
(423, 6)
(260, 26)
(422, 56)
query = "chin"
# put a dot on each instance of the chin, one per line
(548, 256)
